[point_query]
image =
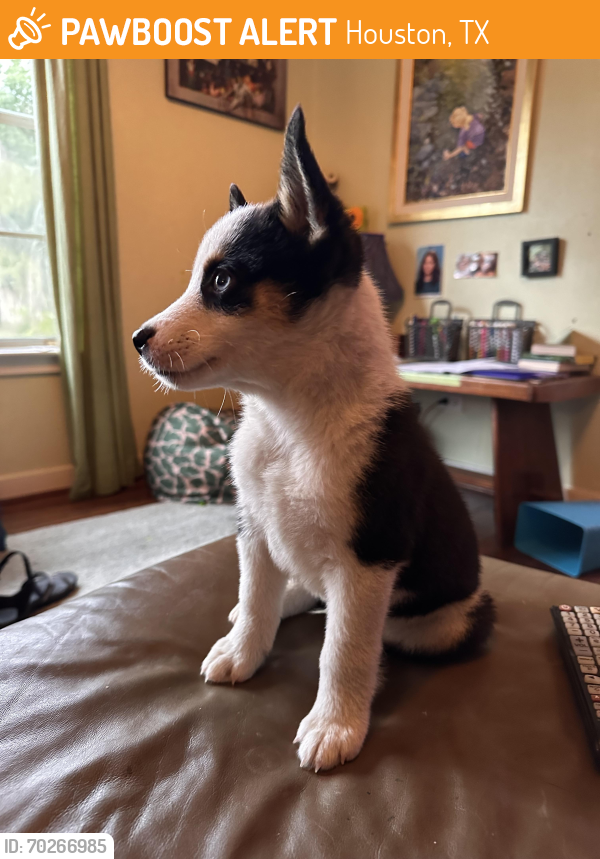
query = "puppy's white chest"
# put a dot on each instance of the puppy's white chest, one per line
(282, 492)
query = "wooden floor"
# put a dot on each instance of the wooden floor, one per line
(481, 508)
(37, 511)
(52, 508)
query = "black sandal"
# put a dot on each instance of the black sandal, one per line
(39, 590)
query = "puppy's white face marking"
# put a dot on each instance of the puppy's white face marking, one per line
(196, 344)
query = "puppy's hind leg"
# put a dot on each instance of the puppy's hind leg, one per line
(454, 630)
(296, 600)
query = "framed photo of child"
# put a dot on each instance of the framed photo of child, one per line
(461, 138)
(428, 280)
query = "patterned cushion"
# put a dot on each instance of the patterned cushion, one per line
(186, 455)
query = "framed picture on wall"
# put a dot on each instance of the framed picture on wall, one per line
(253, 90)
(476, 265)
(540, 258)
(461, 138)
(430, 261)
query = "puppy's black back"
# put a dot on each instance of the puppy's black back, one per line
(411, 513)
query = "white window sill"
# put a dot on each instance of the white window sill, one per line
(29, 360)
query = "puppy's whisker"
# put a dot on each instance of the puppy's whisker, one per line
(171, 362)
(223, 403)
(232, 407)
(181, 359)
(195, 332)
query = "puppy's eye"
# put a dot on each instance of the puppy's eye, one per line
(222, 279)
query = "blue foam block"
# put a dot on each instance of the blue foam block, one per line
(563, 534)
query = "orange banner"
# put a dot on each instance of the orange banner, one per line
(332, 29)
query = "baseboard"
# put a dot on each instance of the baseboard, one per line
(475, 480)
(24, 483)
(577, 493)
(468, 467)
(481, 482)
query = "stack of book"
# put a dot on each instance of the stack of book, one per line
(556, 359)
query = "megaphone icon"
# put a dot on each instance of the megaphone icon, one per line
(26, 32)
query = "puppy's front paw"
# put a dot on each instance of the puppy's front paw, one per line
(231, 660)
(326, 742)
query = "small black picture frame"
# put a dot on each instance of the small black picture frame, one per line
(540, 258)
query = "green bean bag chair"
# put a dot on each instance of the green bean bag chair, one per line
(186, 455)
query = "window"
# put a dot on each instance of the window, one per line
(27, 314)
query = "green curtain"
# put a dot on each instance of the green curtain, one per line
(76, 156)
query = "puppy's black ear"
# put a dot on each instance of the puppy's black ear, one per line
(305, 202)
(236, 198)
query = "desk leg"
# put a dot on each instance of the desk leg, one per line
(525, 461)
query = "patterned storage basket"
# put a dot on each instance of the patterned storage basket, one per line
(503, 339)
(186, 455)
(433, 339)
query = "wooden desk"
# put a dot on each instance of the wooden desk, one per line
(525, 460)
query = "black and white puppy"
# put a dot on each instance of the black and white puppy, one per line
(342, 497)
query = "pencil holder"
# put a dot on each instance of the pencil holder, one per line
(503, 339)
(434, 339)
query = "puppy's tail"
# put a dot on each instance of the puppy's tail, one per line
(454, 631)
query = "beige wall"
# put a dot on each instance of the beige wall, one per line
(174, 165)
(34, 448)
(37, 401)
(352, 134)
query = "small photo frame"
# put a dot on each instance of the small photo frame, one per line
(540, 258)
(430, 262)
(483, 264)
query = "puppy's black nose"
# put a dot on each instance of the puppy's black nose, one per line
(141, 337)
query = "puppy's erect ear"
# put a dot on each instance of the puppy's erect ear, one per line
(304, 198)
(236, 198)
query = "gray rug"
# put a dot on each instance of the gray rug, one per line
(102, 549)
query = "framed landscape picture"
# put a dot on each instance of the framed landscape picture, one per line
(253, 90)
(540, 258)
(461, 138)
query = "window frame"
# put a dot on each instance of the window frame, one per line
(26, 355)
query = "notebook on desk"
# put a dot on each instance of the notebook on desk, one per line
(478, 366)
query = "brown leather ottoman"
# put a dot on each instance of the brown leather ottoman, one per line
(106, 726)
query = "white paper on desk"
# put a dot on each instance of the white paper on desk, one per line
(456, 366)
